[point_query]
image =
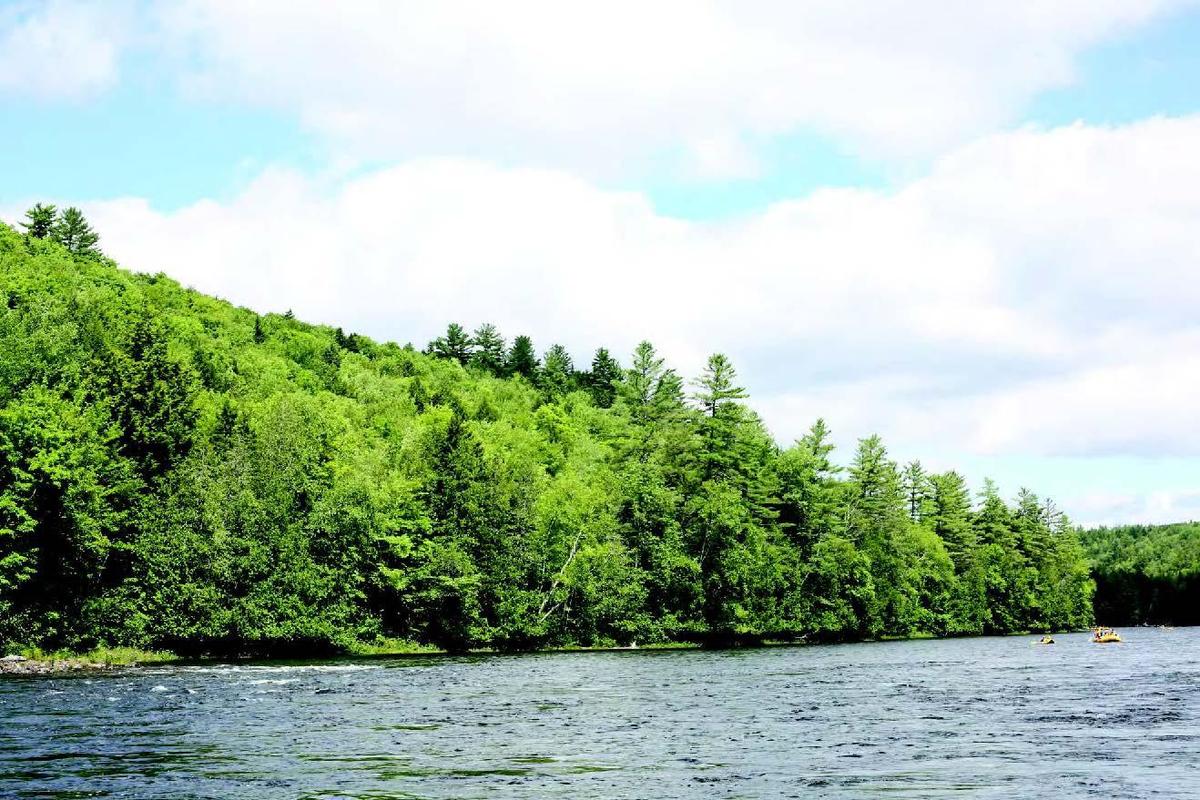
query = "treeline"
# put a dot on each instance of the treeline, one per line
(1146, 574)
(179, 473)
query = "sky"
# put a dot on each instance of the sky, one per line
(971, 228)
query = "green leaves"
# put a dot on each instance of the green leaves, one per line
(64, 495)
(176, 472)
(40, 220)
(68, 228)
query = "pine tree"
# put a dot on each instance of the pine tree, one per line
(1033, 535)
(950, 516)
(643, 382)
(488, 349)
(73, 232)
(152, 398)
(603, 378)
(558, 372)
(877, 500)
(41, 221)
(651, 397)
(993, 521)
(717, 386)
(916, 489)
(522, 360)
(455, 345)
(260, 335)
(808, 487)
(717, 396)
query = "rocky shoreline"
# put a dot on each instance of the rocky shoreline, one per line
(20, 665)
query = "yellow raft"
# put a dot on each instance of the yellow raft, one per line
(1105, 637)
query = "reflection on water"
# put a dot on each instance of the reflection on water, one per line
(974, 717)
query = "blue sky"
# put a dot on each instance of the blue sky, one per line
(966, 231)
(145, 138)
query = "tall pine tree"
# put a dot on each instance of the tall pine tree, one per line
(603, 378)
(73, 232)
(522, 359)
(40, 221)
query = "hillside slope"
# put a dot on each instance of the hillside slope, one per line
(1146, 574)
(177, 472)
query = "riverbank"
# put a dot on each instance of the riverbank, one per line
(32, 661)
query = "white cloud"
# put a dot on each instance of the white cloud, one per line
(1151, 508)
(596, 85)
(723, 157)
(1035, 294)
(60, 48)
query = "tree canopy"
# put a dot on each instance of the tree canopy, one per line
(1146, 574)
(178, 472)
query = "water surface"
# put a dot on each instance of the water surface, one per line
(993, 717)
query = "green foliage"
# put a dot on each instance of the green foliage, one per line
(1145, 574)
(455, 345)
(488, 353)
(522, 360)
(40, 220)
(177, 473)
(73, 232)
(603, 379)
(67, 227)
(558, 372)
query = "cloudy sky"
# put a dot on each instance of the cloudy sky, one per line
(973, 228)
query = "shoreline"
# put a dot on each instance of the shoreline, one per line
(36, 664)
(10, 666)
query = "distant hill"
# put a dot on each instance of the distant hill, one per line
(1146, 573)
(177, 472)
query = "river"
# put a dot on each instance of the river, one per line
(988, 717)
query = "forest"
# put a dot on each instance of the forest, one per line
(179, 473)
(1146, 574)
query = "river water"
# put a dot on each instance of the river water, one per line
(991, 717)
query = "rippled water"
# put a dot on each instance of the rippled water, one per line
(992, 717)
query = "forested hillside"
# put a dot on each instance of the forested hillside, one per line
(180, 473)
(1146, 573)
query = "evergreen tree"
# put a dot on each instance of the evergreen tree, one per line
(717, 397)
(650, 391)
(260, 335)
(73, 232)
(916, 490)
(1032, 534)
(876, 499)
(488, 352)
(950, 516)
(876, 521)
(808, 489)
(41, 220)
(454, 346)
(718, 388)
(993, 521)
(522, 360)
(558, 372)
(603, 379)
(151, 398)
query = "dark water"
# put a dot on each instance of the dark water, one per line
(966, 718)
